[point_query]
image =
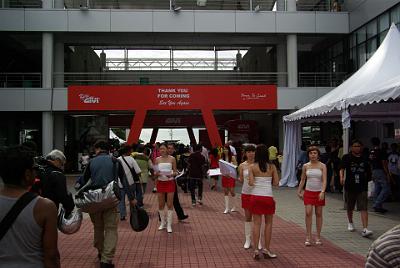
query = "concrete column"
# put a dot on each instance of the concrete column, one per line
(59, 132)
(281, 61)
(47, 132)
(47, 60)
(59, 64)
(291, 45)
(291, 5)
(280, 5)
(47, 4)
(47, 83)
(59, 4)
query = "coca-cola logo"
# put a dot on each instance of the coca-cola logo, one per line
(86, 98)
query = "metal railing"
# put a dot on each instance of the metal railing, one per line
(21, 3)
(164, 64)
(177, 5)
(321, 79)
(20, 80)
(170, 77)
(34, 80)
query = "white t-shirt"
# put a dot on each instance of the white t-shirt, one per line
(133, 165)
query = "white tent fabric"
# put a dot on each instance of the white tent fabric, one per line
(378, 80)
(291, 149)
(112, 135)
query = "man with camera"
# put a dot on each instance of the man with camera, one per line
(53, 183)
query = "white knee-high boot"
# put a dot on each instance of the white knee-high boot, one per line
(169, 221)
(163, 222)
(247, 233)
(233, 209)
(226, 204)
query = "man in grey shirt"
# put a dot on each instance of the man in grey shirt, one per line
(101, 170)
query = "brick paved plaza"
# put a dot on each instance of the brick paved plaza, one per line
(211, 239)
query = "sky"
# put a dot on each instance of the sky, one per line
(169, 134)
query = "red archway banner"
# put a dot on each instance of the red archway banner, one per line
(142, 98)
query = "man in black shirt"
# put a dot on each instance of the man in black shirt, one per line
(354, 175)
(380, 175)
(177, 205)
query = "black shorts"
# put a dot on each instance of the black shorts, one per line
(360, 198)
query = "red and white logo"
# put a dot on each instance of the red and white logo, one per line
(85, 98)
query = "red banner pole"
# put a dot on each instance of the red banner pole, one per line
(211, 127)
(154, 134)
(136, 126)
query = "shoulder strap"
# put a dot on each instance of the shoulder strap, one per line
(133, 172)
(16, 209)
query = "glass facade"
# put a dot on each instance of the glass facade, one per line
(366, 40)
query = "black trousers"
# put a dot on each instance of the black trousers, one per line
(177, 205)
(193, 183)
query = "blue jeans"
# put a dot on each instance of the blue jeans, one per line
(137, 190)
(382, 187)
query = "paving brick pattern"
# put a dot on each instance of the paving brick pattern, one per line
(207, 239)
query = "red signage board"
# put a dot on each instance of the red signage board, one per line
(141, 98)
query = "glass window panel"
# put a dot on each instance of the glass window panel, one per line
(354, 40)
(372, 29)
(371, 47)
(395, 15)
(384, 22)
(361, 35)
(362, 55)
(382, 36)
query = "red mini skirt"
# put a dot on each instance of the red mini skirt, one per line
(246, 198)
(228, 182)
(261, 205)
(312, 198)
(165, 186)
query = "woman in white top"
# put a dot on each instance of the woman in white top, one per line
(249, 152)
(165, 172)
(314, 172)
(262, 177)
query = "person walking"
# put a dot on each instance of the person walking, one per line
(132, 172)
(165, 172)
(355, 172)
(101, 170)
(380, 175)
(262, 176)
(314, 177)
(54, 183)
(30, 241)
(394, 169)
(177, 204)
(196, 163)
(214, 157)
(229, 183)
(249, 153)
(142, 158)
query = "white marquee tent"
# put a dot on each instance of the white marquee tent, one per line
(369, 94)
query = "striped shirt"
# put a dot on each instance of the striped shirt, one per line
(385, 251)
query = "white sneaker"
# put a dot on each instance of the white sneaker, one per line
(366, 233)
(233, 209)
(226, 211)
(350, 227)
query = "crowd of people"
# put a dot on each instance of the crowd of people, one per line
(38, 186)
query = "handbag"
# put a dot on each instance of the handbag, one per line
(69, 225)
(95, 200)
(138, 219)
